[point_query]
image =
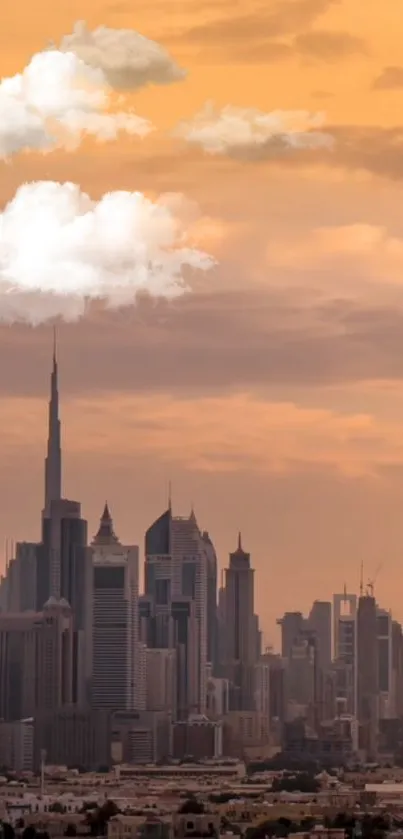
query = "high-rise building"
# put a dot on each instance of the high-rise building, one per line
(73, 736)
(278, 687)
(212, 639)
(258, 637)
(54, 656)
(221, 628)
(60, 555)
(17, 665)
(385, 665)
(111, 622)
(240, 629)
(53, 462)
(64, 532)
(176, 573)
(189, 565)
(161, 680)
(367, 673)
(345, 651)
(19, 582)
(320, 624)
(301, 680)
(217, 704)
(262, 687)
(36, 660)
(155, 607)
(292, 625)
(397, 667)
(17, 745)
(319, 631)
(141, 737)
(26, 558)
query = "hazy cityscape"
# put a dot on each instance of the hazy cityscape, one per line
(95, 673)
(201, 627)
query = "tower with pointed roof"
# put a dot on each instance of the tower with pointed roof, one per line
(53, 462)
(105, 534)
(240, 629)
(61, 554)
(116, 661)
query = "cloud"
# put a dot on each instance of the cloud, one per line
(366, 148)
(391, 78)
(359, 250)
(272, 20)
(278, 30)
(267, 436)
(357, 148)
(293, 340)
(247, 132)
(59, 249)
(281, 31)
(54, 102)
(127, 59)
(326, 45)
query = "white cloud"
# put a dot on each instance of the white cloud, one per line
(60, 249)
(128, 59)
(248, 132)
(55, 101)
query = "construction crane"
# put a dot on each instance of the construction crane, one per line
(371, 583)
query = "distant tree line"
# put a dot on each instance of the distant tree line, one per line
(372, 827)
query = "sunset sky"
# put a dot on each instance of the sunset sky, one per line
(271, 396)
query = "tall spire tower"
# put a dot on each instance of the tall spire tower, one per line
(53, 462)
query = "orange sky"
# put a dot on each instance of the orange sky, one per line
(271, 396)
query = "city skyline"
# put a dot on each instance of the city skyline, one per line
(176, 665)
(270, 395)
(54, 494)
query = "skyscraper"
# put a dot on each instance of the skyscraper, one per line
(36, 660)
(54, 656)
(241, 646)
(44, 570)
(293, 625)
(212, 639)
(111, 615)
(189, 565)
(385, 664)
(345, 651)
(367, 672)
(320, 624)
(161, 680)
(64, 533)
(397, 667)
(319, 630)
(221, 629)
(53, 461)
(176, 602)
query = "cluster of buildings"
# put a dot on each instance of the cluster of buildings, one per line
(93, 672)
(344, 677)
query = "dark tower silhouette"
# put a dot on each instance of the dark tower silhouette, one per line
(53, 462)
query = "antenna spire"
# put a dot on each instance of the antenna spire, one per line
(53, 462)
(362, 579)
